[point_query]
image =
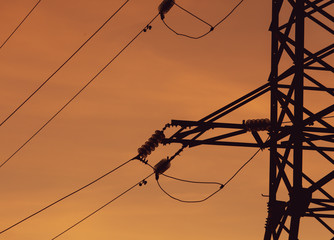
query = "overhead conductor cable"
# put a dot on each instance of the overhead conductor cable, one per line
(18, 26)
(148, 26)
(67, 196)
(167, 5)
(100, 208)
(61, 66)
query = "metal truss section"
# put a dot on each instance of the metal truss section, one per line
(301, 74)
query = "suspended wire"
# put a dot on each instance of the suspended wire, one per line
(140, 184)
(100, 208)
(61, 66)
(200, 19)
(189, 201)
(191, 181)
(187, 181)
(67, 196)
(228, 15)
(244, 165)
(197, 182)
(221, 186)
(81, 90)
(3, 44)
(211, 27)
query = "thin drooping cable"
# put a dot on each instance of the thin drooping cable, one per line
(200, 19)
(244, 165)
(214, 193)
(140, 184)
(7, 39)
(211, 27)
(187, 181)
(61, 66)
(190, 201)
(229, 14)
(191, 181)
(100, 208)
(185, 35)
(81, 90)
(67, 196)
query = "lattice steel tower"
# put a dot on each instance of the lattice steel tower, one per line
(302, 48)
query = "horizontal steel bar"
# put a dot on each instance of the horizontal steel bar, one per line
(318, 200)
(184, 123)
(252, 93)
(313, 137)
(331, 208)
(318, 129)
(306, 88)
(193, 143)
(319, 215)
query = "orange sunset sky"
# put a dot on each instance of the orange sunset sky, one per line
(160, 77)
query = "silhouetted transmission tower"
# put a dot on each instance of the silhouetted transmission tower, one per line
(300, 73)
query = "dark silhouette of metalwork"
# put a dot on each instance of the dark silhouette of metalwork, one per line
(292, 195)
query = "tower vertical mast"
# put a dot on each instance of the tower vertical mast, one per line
(301, 127)
(297, 133)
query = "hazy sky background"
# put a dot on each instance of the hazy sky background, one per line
(160, 77)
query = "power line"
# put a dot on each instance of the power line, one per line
(197, 182)
(67, 196)
(20, 24)
(100, 208)
(139, 183)
(227, 16)
(61, 66)
(191, 181)
(200, 19)
(184, 180)
(189, 201)
(144, 180)
(211, 27)
(236, 173)
(82, 89)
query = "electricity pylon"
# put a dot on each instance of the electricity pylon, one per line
(295, 130)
